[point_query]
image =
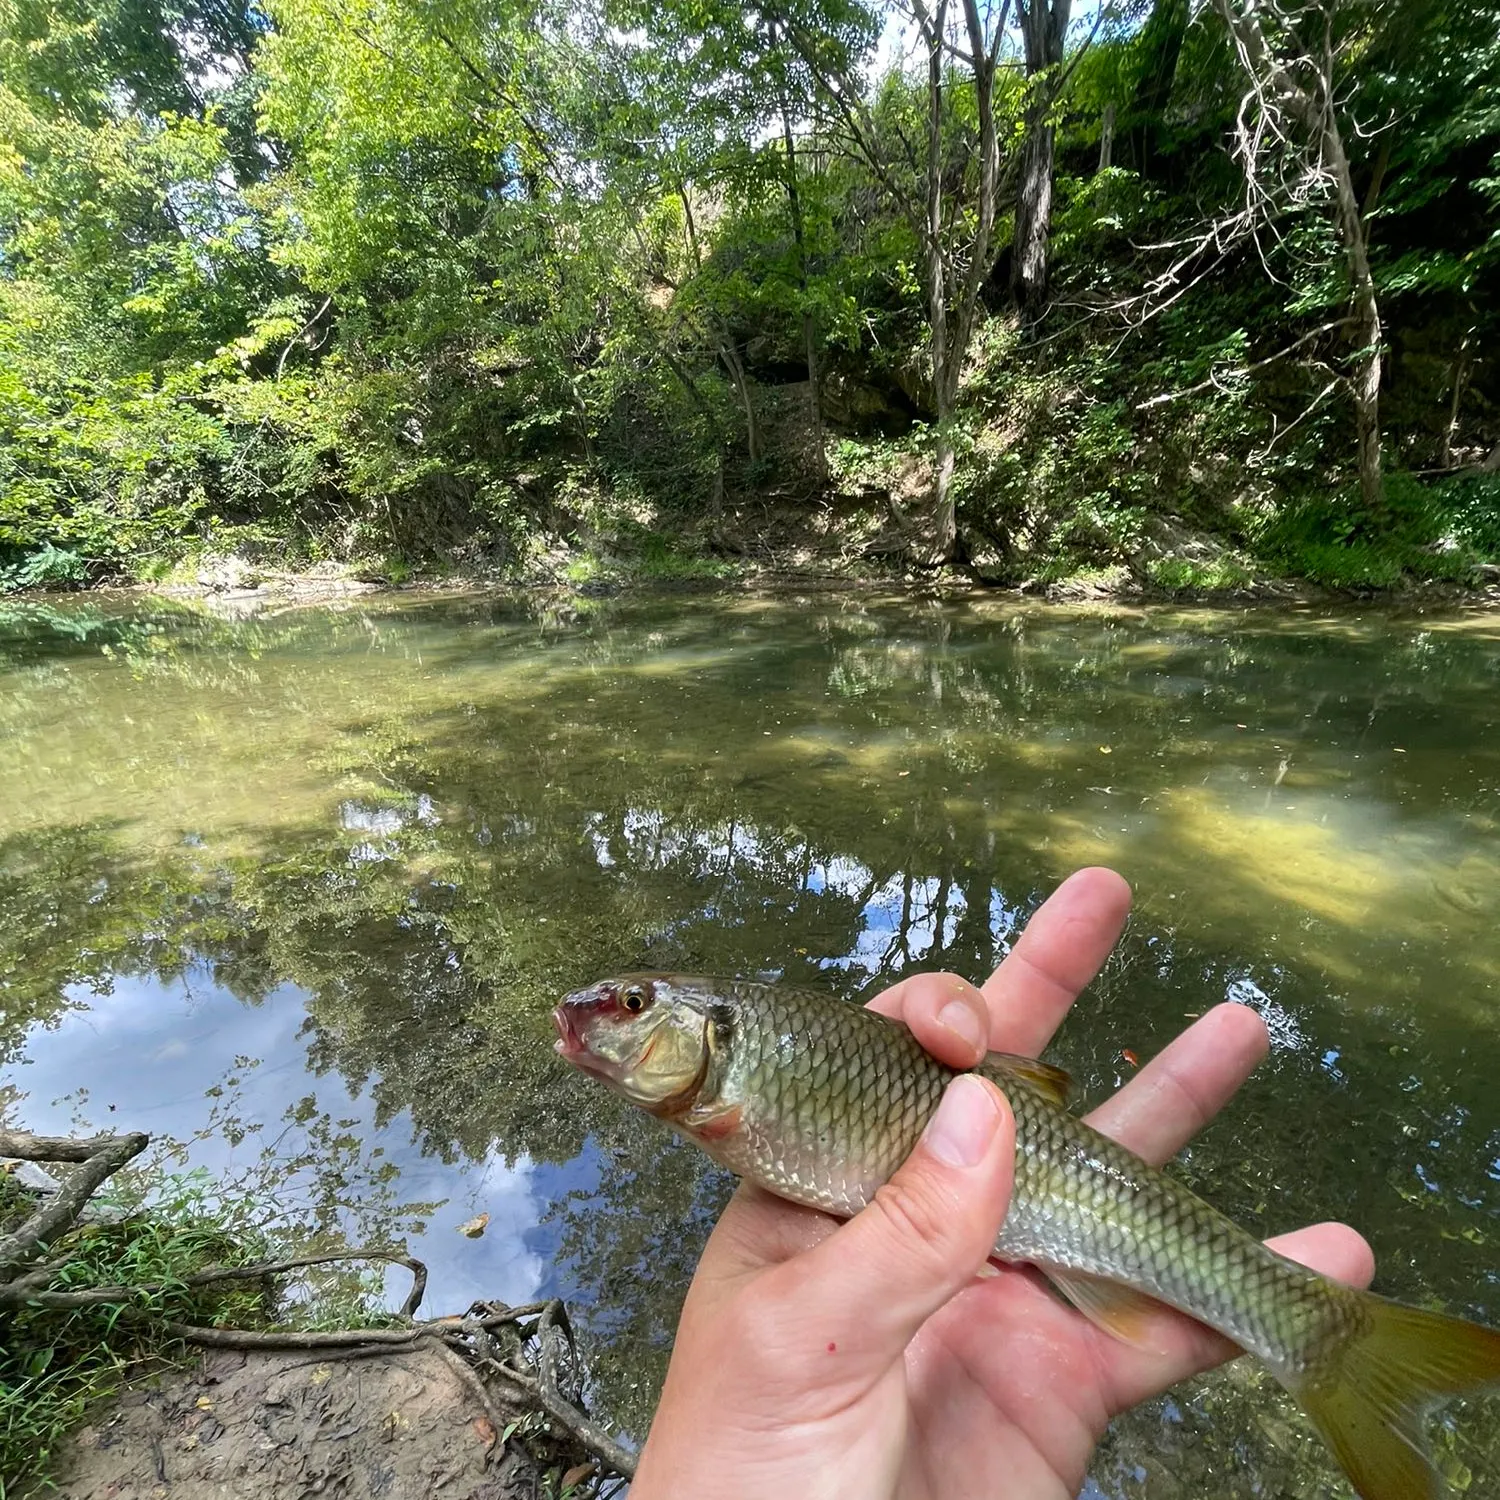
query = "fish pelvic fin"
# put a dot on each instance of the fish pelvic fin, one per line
(1370, 1395)
(1125, 1314)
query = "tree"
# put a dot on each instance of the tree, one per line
(1044, 30)
(1160, 45)
(1292, 86)
(953, 229)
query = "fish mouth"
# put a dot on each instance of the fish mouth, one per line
(572, 1047)
(569, 1040)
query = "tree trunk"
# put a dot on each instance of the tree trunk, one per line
(799, 239)
(1044, 27)
(1107, 139)
(1161, 43)
(944, 517)
(1028, 274)
(1365, 384)
(944, 381)
(736, 367)
(1315, 111)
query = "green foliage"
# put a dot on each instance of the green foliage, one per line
(447, 285)
(1182, 575)
(1329, 538)
(56, 1366)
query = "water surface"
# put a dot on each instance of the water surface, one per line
(309, 883)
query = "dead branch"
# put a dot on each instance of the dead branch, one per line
(58, 1216)
(464, 1342)
(292, 1338)
(28, 1147)
(1212, 383)
(30, 1289)
(302, 333)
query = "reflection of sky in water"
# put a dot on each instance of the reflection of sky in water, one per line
(144, 1053)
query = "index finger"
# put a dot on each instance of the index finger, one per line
(1063, 947)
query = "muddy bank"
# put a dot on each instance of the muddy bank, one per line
(279, 1426)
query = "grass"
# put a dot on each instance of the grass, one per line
(647, 557)
(1181, 575)
(58, 1366)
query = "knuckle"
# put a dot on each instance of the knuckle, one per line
(921, 1220)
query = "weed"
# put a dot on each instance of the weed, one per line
(57, 1366)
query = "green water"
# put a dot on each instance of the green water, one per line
(304, 887)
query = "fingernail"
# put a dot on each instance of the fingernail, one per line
(965, 1123)
(960, 1019)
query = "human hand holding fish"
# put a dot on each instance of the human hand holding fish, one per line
(872, 1358)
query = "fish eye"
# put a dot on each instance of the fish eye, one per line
(634, 998)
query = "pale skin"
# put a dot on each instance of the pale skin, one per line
(883, 1358)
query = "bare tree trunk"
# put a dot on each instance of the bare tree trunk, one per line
(1028, 275)
(736, 367)
(1460, 380)
(1365, 384)
(944, 524)
(1107, 139)
(1044, 26)
(1277, 89)
(799, 237)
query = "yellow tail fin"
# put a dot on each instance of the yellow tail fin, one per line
(1370, 1396)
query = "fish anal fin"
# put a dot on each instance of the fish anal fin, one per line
(1369, 1395)
(1052, 1083)
(1128, 1315)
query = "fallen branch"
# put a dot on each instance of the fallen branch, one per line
(30, 1289)
(464, 1342)
(291, 1338)
(567, 1416)
(448, 1332)
(58, 1216)
(29, 1147)
(1213, 380)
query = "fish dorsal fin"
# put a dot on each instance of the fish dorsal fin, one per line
(1052, 1083)
(1128, 1315)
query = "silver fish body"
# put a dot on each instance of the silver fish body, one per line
(820, 1101)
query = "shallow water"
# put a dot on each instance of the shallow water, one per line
(302, 889)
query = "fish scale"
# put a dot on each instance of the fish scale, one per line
(829, 1136)
(821, 1102)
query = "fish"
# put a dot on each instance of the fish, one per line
(820, 1101)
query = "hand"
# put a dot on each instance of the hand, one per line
(873, 1359)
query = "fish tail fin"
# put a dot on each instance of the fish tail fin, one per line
(1369, 1396)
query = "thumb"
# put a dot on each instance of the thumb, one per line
(869, 1287)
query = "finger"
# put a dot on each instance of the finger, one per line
(1186, 1084)
(1180, 1347)
(947, 1014)
(756, 1230)
(867, 1288)
(1063, 947)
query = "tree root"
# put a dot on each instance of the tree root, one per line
(539, 1345)
(102, 1157)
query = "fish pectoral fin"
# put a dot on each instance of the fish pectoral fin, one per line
(1126, 1314)
(1052, 1083)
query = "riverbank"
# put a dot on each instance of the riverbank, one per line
(150, 1341)
(234, 586)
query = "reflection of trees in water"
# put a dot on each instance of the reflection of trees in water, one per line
(840, 796)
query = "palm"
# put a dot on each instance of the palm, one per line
(1006, 1387)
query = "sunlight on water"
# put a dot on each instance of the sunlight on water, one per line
(303, 889)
